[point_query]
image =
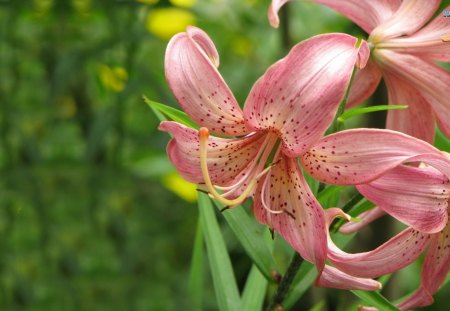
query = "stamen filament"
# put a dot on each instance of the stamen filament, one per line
(251, 170)
(203, 137)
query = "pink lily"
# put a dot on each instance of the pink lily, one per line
(287, 111)
(403, 51)
(417, 196)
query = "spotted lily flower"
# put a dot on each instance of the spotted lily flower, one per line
(252, 152)
(404, 48)
(417, 196)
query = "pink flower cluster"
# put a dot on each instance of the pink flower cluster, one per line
(263, 150)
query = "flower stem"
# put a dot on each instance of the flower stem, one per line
(285, 29)
(337, 124)
(286, 282)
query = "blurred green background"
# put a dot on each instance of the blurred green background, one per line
(92, 214)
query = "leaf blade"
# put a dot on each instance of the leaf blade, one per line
(225, 286)
(249, 234)
(375, 299)
(254, 290)
(358, 111)
(174, 114)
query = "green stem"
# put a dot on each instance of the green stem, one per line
(286, 281)
(337, 125)
(285, 29)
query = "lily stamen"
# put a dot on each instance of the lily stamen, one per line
(266, 207)
(203, 136)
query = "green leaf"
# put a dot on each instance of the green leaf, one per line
(375, 299)
(225, 286)
(302, 282)
(308, 274)
(254, 291)
(357, 111)
(196, 271)
(441, 142)
(174, 114)
(328, 193)
(318, 306)
(250, 235)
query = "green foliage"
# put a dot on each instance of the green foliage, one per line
(85, 222)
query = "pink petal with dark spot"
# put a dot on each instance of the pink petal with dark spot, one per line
(298, 96)
(190, 65)
(393, 255)
(284, 187)
(417, 196)
(228, 159)
(359, 156)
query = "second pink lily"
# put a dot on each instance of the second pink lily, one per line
(403, 51)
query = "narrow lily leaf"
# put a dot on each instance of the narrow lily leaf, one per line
(308, 274)
(174, 114)
(363, 206)
(225, 286)
(318, 306)
(250, 235)
(254, 291)
(375, 299)
(357, 111)
(196, 271)
(328, 193)
(302, 282)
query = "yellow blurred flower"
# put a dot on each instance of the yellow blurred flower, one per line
(165, 22)
(82, 6)
(184, 3)
(67, 107)
(113, 78)
(42, 6)
(185, 190)
(242, 46)
(147, 1)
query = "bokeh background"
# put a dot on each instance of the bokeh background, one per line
(92, 214)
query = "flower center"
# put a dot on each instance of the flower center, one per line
(258, 167)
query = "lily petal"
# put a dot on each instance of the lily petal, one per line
(431, 80)
(303, 222)
(228, 159)
(272, 12)
(366, 13)
(366, 217)
(410, 17)
(393, 255)
(299, 95)
(418, 120)
(416, 196)
(428, 42)
(420, 298)
(191, 72)
(364, 84)
(359, 156)
(435, 269)
(334, 278)
(437, 263)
